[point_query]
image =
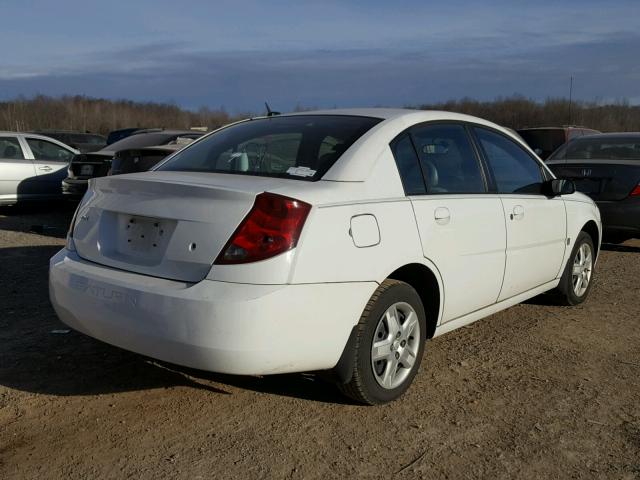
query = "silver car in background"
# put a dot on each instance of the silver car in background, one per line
(32, 167)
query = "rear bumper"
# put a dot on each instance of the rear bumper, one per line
(74, 187)
(621, 217)
(217, 326)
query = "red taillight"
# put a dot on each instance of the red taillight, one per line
(635, 192)
(271, 227)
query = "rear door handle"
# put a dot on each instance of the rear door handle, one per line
(442, 215)
(517, 213)
(45, 168)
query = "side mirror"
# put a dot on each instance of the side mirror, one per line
(558, 186)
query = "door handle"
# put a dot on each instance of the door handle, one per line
(45, 168)
(517, 213)
(442, 215)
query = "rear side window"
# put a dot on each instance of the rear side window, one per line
(300, 147)
(44, 150)
(448, 160)
(514, 170)
(408, 166)
(10, 149)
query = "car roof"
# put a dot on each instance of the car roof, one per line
(571, 127)
(168, 131)
(53, 130)
(390, 113)
(31, 134)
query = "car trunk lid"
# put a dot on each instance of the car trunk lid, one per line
(165, 224)
(90, 165)
(601, 180)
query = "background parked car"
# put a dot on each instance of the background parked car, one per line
(607, 168)
(98, 164)
(82, 141)
(546, 140)
(117, 135)
(31, 167)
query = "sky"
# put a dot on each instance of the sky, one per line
(324, 54)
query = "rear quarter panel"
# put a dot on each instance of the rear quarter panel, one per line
(328, 252)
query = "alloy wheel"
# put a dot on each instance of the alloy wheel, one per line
(396, 343)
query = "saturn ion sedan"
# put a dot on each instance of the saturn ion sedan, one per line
(335, 240)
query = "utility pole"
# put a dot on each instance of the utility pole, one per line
(570, 98)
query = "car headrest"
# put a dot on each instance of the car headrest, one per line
(10, 151)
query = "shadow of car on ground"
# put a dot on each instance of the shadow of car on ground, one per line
(41, 355)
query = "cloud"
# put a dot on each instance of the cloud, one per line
(603, 67)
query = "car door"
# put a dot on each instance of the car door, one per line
(51, 160)
(461, 226)
(17, 173)
(536, 224)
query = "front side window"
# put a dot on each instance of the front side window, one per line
(301, 147)
(448, 160)
(514, 170)
(408, 166)
(10, 149)
(44, 150)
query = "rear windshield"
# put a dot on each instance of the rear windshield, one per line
(600, 148)
(140, 140)
(300, 147)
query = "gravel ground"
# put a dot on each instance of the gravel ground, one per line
(536, 391)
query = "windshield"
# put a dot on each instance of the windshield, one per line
(301, 147)
(601, 148)
(543, 141)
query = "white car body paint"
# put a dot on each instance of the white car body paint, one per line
(295, 311)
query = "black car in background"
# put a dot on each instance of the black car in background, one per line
(546, 140)
(607, 168)
(98, 164)
(83, 141)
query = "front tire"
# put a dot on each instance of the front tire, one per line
(577, 277)
(389, 344)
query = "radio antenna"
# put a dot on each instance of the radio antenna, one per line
(270, 113)
(570, 99)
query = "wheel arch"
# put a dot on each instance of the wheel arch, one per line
(425, 279)
(593, 231)
(428, 286)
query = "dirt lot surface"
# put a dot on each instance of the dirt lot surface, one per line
(536, 391)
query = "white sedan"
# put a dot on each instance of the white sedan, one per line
(32, 167)
(334, 240)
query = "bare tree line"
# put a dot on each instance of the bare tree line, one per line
(520, 112)
(101, 115)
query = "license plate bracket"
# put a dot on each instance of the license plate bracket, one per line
(143, 235)
(86, 170)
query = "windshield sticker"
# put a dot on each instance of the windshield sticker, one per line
(301, 171)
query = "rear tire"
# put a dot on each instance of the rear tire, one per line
(577, 277)
(389, 343)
